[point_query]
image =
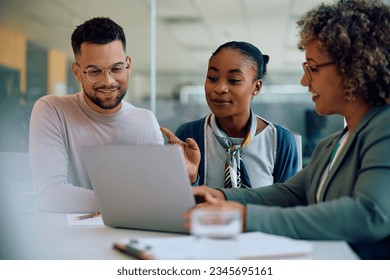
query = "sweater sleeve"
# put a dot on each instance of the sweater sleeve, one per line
(49, 164)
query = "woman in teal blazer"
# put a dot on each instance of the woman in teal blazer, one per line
(344, 192)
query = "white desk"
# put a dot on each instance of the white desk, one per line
(51, 237)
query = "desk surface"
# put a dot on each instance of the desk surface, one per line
(50, 237)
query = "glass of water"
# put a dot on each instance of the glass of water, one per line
(216, 233)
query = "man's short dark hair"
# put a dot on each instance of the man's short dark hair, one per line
(98, 30)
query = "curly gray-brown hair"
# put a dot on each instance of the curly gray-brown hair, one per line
(355, 34)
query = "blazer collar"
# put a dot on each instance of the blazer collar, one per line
(329, 149)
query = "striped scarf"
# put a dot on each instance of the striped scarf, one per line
(235, 172)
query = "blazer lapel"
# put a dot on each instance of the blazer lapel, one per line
(322, 163)
(336, 164)
(343, 153)
(320, 168)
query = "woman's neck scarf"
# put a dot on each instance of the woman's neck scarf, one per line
(235, 172)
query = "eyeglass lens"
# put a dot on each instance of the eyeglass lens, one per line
(95, 74)
(306, 70)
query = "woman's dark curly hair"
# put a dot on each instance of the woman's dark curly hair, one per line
(356, 36)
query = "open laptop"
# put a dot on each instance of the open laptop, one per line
(140, 187)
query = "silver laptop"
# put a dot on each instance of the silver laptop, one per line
(140, 187)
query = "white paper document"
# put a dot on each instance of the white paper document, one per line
(252, 245)
(261, 245)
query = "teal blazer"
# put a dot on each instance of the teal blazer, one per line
(355, 206)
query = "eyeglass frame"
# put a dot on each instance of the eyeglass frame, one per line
(108, 69)
(308, 69)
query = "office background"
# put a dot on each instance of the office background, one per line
(170, 42)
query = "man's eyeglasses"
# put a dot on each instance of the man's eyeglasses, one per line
(96, 73)
(308, 69)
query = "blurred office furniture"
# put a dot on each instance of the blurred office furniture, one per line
(17, 206)
(16, 179)
(315, 125)
(15, 167)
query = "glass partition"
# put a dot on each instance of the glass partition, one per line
(170, 43)
(195, 28)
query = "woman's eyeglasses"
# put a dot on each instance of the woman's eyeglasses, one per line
(308, 69)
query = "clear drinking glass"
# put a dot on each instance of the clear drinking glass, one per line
(216, 233)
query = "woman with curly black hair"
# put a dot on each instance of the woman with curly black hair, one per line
(344, 192)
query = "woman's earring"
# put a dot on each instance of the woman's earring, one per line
(349, 96)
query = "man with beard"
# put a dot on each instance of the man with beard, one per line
(61, 126)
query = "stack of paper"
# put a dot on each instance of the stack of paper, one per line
(252, 245)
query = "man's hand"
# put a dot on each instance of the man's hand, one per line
(190, 150)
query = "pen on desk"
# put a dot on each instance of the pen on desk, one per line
(133, 251)
(88, 216)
